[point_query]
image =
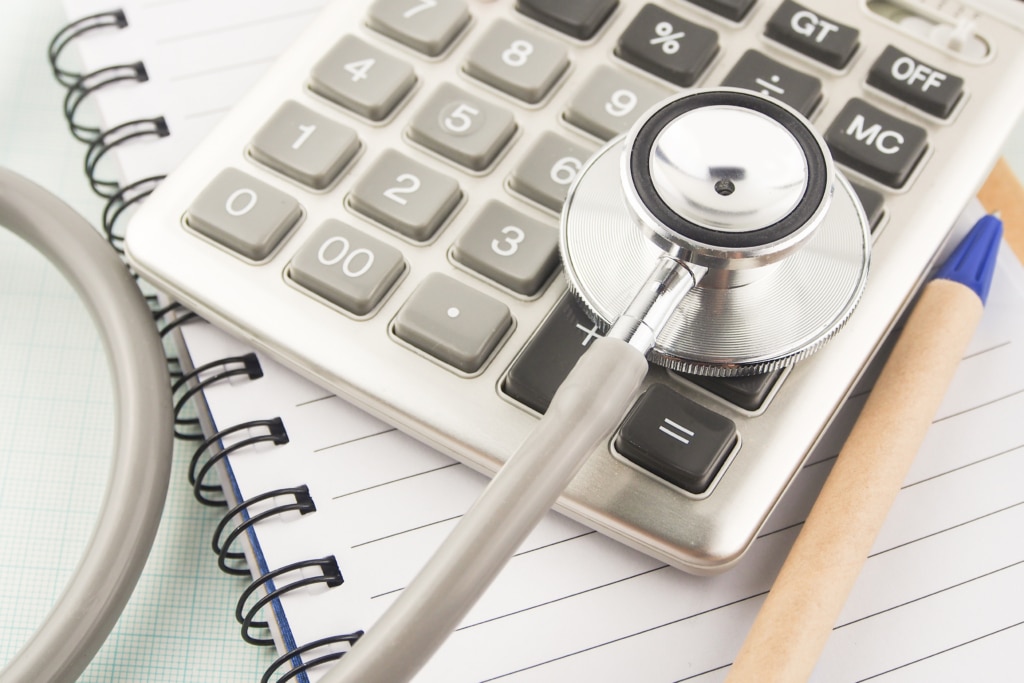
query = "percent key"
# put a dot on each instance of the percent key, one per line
(668, 46)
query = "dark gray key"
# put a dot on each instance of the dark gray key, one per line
(915, 82)
(577, 18)
(754, 71)
(462, 127)
(548, 169)
(347, 267)
(667, 45)
(405, 195)
(676, 439)
(453, 322)
(243, 213)
(550, 354)
(812, 34)
(304, 145)
(517, 61)
(362, 78)
(428, 26)
(747, 392)
(733, 10)
(873, 203)
(610, 100)
(510, 248)
(876, 143)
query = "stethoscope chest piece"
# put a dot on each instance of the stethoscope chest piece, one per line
(744, 189)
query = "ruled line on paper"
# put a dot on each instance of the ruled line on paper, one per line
(238, 26)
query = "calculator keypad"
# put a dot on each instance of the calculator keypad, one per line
(548, 169)
(509, 247)
(812, 34)
(347, 267)
(243, 214)
(304, 145)
(915, 82)
(462, 127)
(758, 72)
(453, 322)
(362, 78)
(428, 27)
(576, 18)
(405, 196)
(668, 46)
(876, 143)
(610, 100)
(517, 61)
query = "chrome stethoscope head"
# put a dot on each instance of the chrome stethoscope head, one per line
(739, 191)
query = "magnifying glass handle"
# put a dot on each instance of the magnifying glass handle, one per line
(591, 400)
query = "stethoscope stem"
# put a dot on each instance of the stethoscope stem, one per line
(655, 302)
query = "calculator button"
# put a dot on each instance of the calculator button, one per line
(516, 61)
(551, 353)
(667, 45)
(577, 18)
(610, 100)
(362, 78)
(747, 392)
(733, 10)
(243, 214)
(873, 203)
(547, 170)
(915, 82)
(510, 248)
(304, 145)
(676, 439)
(818, 37)
(453, 322)
(462, 127)
(876, 143)
(347, 267)
(755, 71)
(405, 195)
(428, 26)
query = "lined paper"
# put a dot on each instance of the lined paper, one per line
(939, 598)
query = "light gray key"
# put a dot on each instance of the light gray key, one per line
(453, 322)
(304, 145)
(461, 127)
(243, 214)
(428, 26)
(519, 62)
(362, 78)
(510, 248)
(347, 267)
(548, 169)
(405, 195)
(610, 101)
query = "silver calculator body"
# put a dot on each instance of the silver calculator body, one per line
(433, 139)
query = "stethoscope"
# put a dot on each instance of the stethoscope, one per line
(716, 237)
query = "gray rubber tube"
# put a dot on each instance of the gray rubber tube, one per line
(585, 409)
(106, 575)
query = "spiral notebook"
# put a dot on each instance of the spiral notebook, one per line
(332, 511)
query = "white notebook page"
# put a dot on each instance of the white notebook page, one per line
(939, 600)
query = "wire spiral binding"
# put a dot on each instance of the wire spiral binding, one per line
(122, 200)
(303, 505)
(111, 138)
(112, 19)
(275, 434)
(330, 576)
(89, 83)
(234, 366)
(348, 638)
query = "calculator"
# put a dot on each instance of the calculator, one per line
(381, 215)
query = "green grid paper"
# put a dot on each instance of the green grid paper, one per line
(56, 421)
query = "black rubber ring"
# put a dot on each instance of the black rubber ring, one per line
(641, 176)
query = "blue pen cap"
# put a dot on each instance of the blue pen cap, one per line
(974, 259)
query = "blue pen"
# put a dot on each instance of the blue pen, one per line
(805, 601)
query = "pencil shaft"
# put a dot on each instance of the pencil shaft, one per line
(802, 607)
